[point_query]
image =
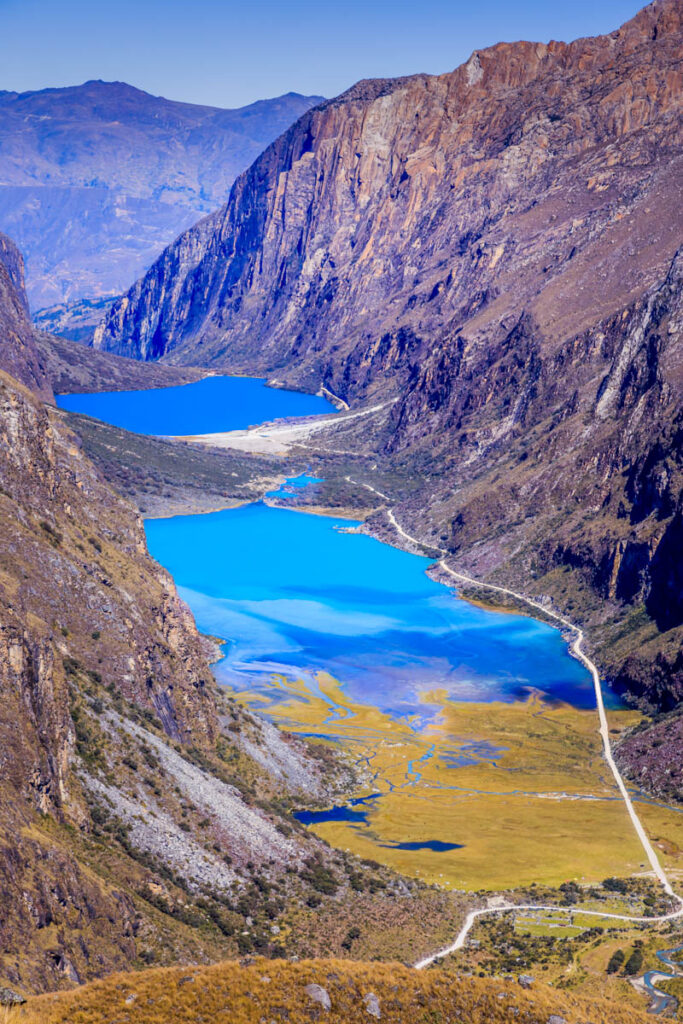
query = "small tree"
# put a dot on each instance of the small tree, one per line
(616, 961)
(634, 962)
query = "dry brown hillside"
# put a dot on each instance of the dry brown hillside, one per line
(335, 991)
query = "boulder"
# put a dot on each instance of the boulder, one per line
(319, 995)
(10, 998)
(372, 1005)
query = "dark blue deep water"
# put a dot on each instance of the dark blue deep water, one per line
(355, 811)
(435, 845)
(208, 406)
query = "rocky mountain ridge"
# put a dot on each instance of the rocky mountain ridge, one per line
(96, 179)
(492, 256)
(341, 231)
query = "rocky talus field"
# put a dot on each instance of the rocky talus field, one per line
(492, 257)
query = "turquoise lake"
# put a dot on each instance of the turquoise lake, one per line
(209, 405)
(296, 594)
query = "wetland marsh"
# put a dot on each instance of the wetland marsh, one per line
(472, 732)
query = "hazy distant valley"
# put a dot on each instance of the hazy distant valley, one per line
(96, 179)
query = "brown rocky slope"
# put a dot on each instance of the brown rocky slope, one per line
(494, 251)
(143, 817)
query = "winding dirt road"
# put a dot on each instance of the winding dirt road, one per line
(576, 647)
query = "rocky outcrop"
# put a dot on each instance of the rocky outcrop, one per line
(651, 757)
(38, 737)
(18, 354)
(74, 549)
(98, 178)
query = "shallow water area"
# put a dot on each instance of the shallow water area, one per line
(216, 403)
(289, 488)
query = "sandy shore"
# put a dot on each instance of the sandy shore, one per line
(277, 438)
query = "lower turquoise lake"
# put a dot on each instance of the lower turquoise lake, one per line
(295, 594)
(205, 407)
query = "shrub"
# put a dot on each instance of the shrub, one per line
(635, 962)
(615, 885)
(616, 961)
(54, 536)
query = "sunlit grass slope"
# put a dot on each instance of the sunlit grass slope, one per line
(339, 992)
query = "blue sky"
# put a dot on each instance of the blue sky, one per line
(226, 53)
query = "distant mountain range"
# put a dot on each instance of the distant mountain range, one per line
(96, 179)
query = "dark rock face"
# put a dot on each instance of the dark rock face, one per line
(18, 352)
(665, 598)
(98, 178)
(651, 758)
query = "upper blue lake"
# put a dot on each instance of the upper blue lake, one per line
(295, 594)
(205, 407)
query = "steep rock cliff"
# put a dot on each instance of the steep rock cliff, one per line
(80, 602)
(74, 551)
(18, 355)
(48, 365)
(535, 177)
(563, 474)
(127, 809)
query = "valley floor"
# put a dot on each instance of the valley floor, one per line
(520, 787)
